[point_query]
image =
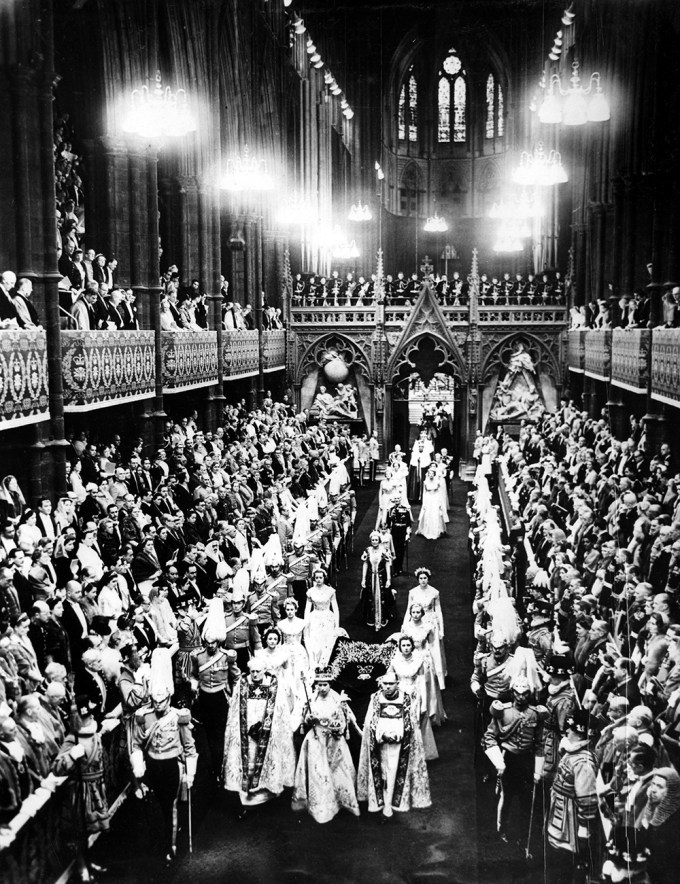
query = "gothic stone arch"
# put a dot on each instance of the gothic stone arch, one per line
(541, 349)
(354, 355)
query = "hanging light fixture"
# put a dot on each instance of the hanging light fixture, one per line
(158, 113)
(296, 210)
(435, 224)
(245, 173)
(575, 105)
(379, 171)
(360, 212)
(299, 25)
(540, 168)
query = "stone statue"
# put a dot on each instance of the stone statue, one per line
(343, 404)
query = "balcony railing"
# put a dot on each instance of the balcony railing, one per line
(398, 315)
(102, 368)
(241, 348)
(598, 354)
(630, 358)
(189, 360)
(665, 365)
(23, 378)
(522, 314)
(273, 349)
(577, 350)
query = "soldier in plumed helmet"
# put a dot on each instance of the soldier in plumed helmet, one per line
(163, 749)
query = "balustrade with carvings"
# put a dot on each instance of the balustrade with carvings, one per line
(101, 368)
(577, 349)
(274, 349)
(665, 365)
(24, 390)
(630, 358)
(189, 359)
(598, 354)
(523, 314)
(241, 352)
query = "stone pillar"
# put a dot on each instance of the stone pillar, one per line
(586, 393)
(388, 442)
(656, 426)
(618, 414)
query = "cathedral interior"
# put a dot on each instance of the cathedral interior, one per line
(384, 206)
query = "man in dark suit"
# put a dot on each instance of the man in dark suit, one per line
(73, 620)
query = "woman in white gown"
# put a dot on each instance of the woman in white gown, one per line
(428, 597)
(277, 662)
(441, 468)
(410, 670)
(292, 628)
(322, 619)
(431, 523)
(423, 638)
(325, 777)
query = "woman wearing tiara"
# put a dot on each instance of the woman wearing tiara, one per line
(325, 775)
(428, 597)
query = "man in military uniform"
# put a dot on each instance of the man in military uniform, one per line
(278, 587)
(299, 573)
(560, 703)
(163, 752)
(513, 742)
(491, 677)
(243, 636)
(321, 547)
(399, 523)
(539, 635)
(213, 675)
(262, 603)
(573, 813)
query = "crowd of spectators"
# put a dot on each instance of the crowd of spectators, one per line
(509, 290)
(94, 580)
(626, 311)
(576, 540)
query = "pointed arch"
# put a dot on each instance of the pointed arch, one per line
(452, 100)
(354, 356)
(541, 351)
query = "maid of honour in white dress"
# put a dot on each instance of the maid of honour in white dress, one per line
(428, 597)
(432, 521)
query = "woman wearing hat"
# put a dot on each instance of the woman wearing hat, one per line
(325, 776)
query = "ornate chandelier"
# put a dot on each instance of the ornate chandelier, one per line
(159, 112)
(577, 104)
(245, 172)
(297, 210)
(540, 168)
(360, 212)
(435, 224)
(518, 208)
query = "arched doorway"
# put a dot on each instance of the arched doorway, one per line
(434, 406)
(426, 389)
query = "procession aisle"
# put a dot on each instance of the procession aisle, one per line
(276, 845)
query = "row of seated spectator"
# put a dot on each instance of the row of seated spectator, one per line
(313, 291)
(592, 605)
(625, 311)
(92, 581)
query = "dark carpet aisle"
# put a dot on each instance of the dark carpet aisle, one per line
(452, 841)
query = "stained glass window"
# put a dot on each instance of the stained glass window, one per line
(459, 108)
(444, 129)
(402, 114)
(500, 117)
(452, 100)
(490, 107)
(412, 109)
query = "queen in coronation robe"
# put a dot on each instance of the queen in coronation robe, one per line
(325, 775)
(392, 773)
(259, 755)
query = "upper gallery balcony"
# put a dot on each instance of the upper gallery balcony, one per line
(637, 359)
(24, 393)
